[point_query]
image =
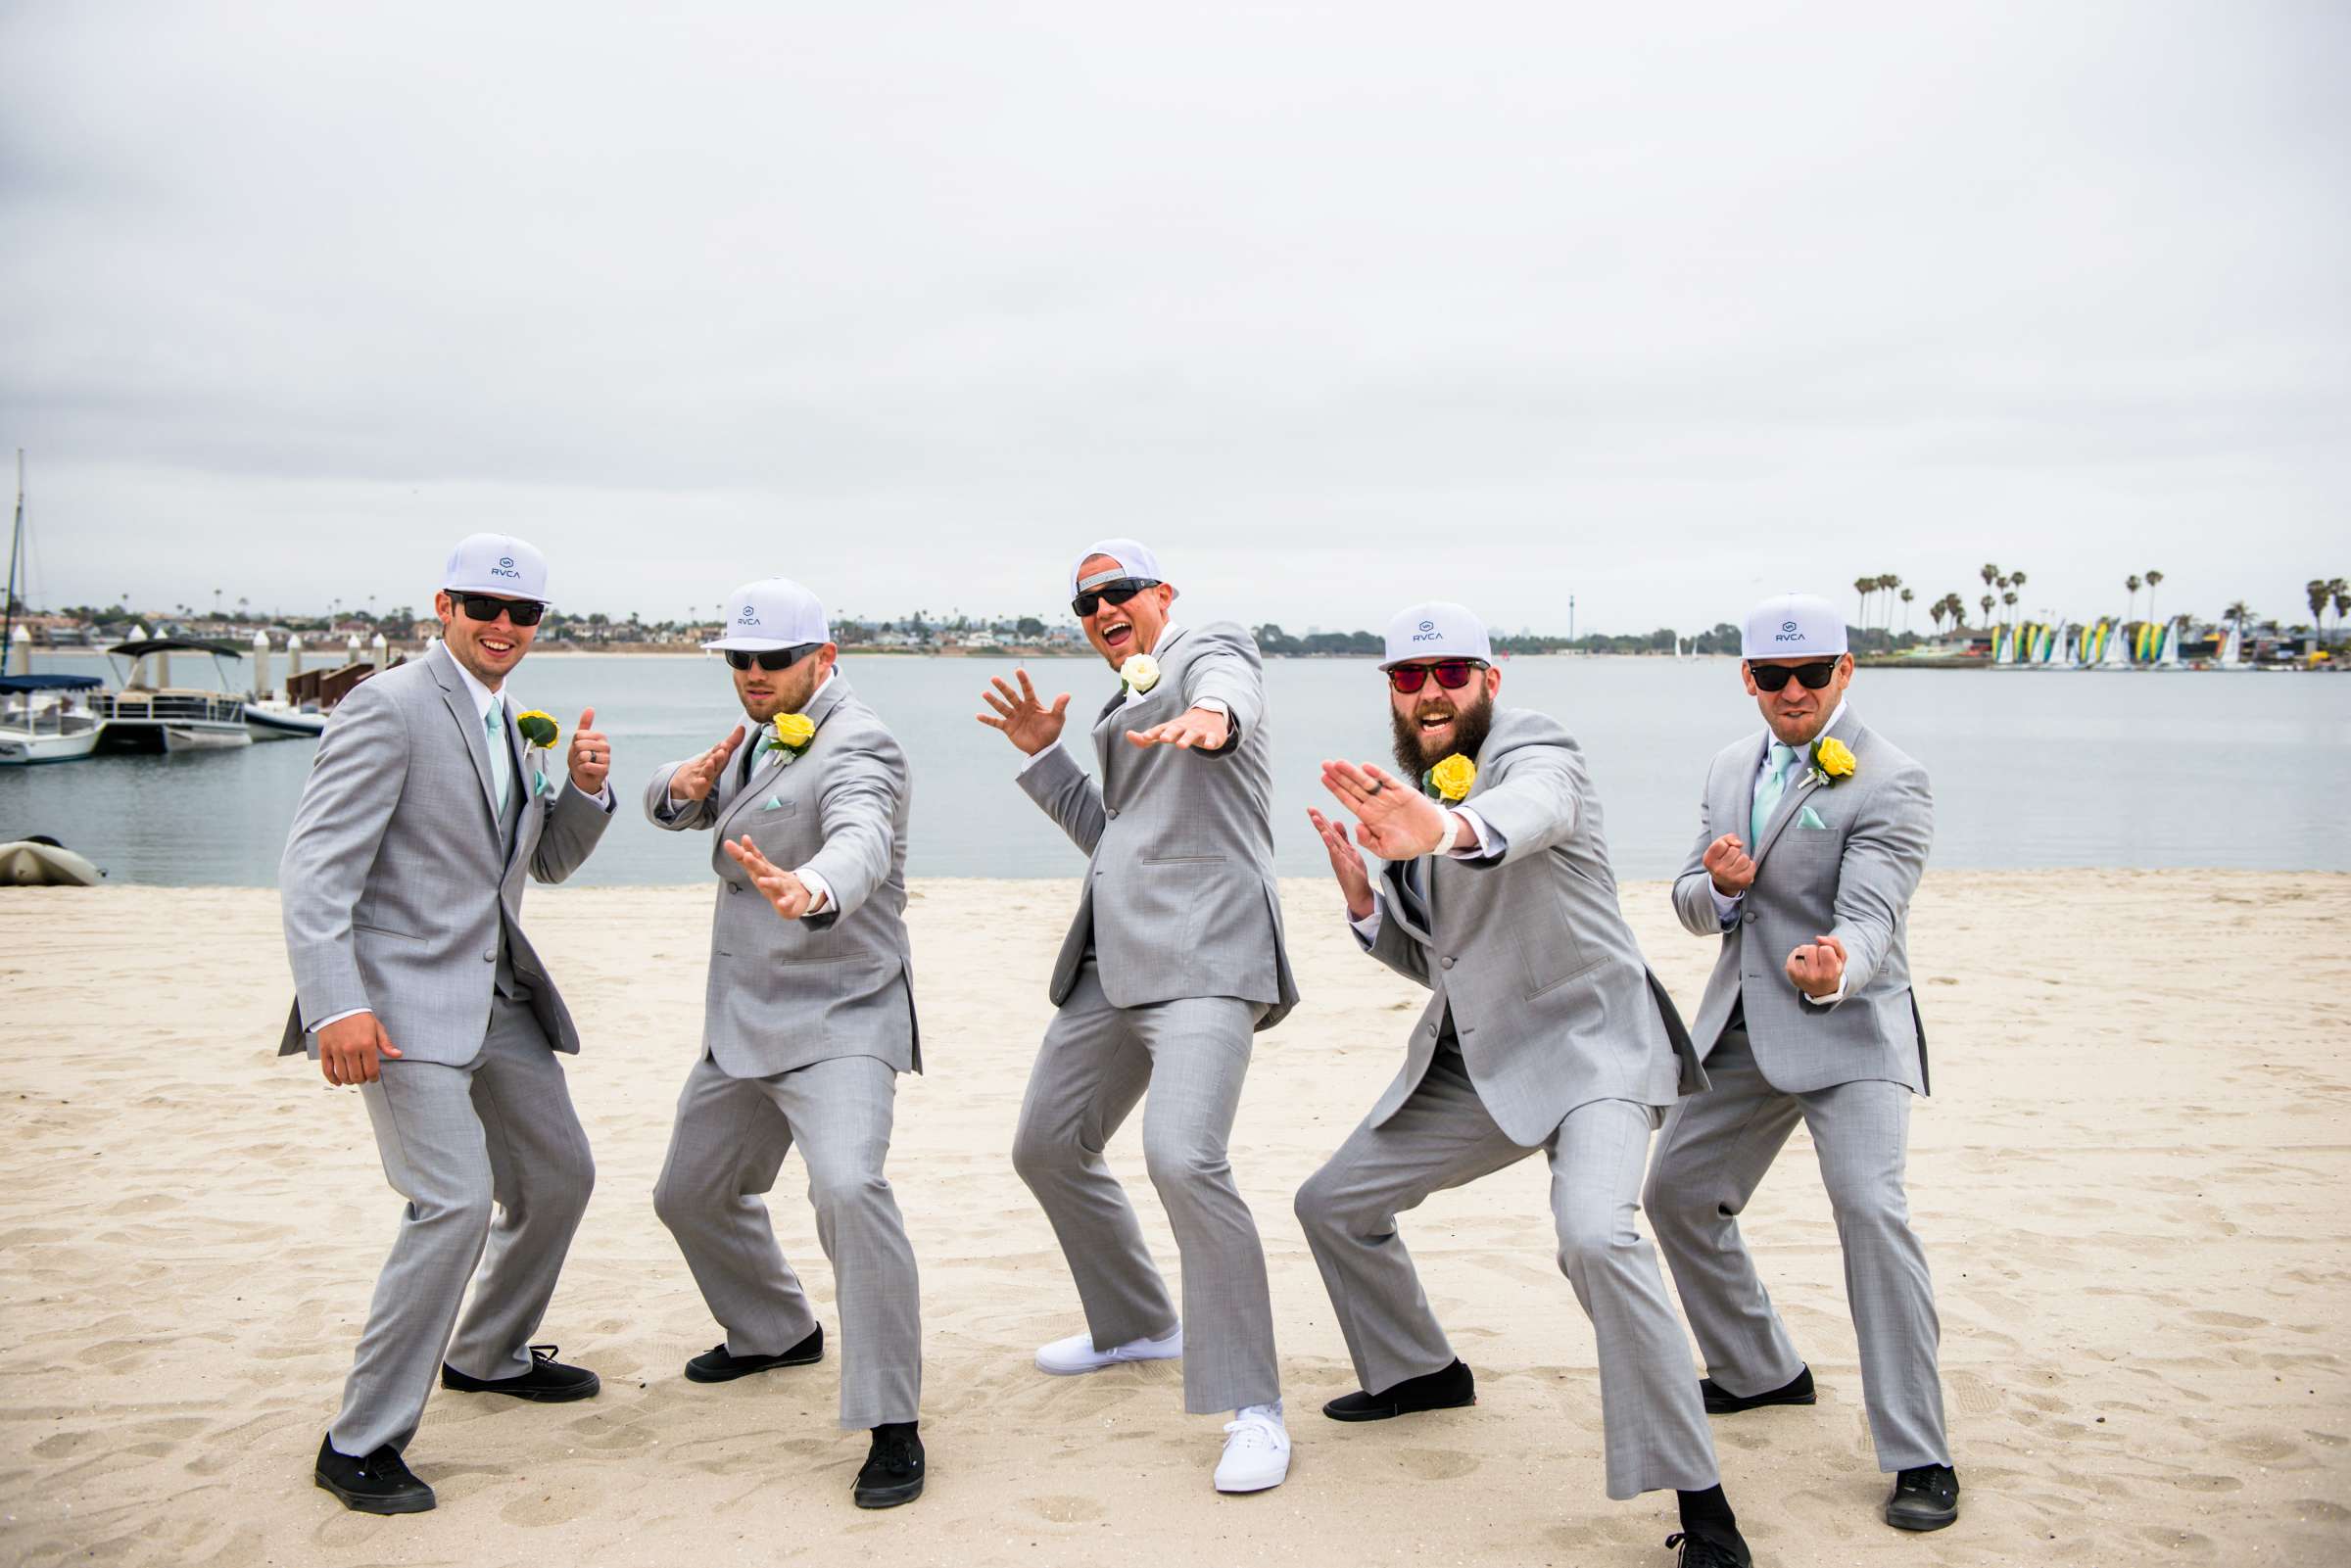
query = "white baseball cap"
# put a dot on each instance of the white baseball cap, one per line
(1437, 630)
(1133, 556)
(1792, 626)
(772, 613)
(497, 563)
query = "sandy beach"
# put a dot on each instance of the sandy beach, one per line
(2132, 1183)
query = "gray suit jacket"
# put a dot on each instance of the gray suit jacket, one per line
(396, 890)
(1551, 1000)
(784, 993)
(1852, 878)
(1179, 896)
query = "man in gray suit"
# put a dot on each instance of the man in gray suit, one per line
(427, 806)
(1811, 838)
(807, 1023)
(1174, 959)
(1546, 1032)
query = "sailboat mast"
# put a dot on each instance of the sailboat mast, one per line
(16, 547)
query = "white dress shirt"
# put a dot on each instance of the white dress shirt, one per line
(1727, 906)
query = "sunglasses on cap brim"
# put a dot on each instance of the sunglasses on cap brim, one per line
(1118, 593)
(1772, 677)
(771, 659)
(489, 606)
(1451, 674)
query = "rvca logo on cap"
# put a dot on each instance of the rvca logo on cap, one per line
(1788, 632)
(506, 567)
(1428, 633)
(749, 616)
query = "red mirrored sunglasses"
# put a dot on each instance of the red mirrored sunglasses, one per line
(1451, 674)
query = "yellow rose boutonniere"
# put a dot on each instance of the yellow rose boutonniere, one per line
(1451, 779)
(538, 728)
(1831, 761)
(794, 732)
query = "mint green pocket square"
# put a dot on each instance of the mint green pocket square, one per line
(774, 803)
(1808, 818)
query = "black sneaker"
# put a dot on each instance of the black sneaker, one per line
(893, 1469)
(1447, 1388)
(1926, 1497)
(1796, 1391)
(1700, 1551)
(716, 1366)
(378, 1484)
(548, 1382)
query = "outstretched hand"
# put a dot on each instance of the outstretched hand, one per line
(1025, 720)
(1346, 864)
(1203, 728)
(1395, 821)
(693, 781)
(782, 889)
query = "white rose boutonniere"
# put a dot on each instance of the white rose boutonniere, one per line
(1139, 673)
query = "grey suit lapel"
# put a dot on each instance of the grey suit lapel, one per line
(763, 776)
(458, 697)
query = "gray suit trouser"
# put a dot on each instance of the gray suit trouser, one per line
(725, 1151)
(455, 1141)
(1442, 1137)
(1191, 1054)
(1715, 1150)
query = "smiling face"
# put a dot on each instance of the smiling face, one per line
(1794, 713)
(1119, 631)
(764, 694)
(489, 649)
(1432, 723)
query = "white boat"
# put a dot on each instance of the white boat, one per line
(42, 719)
(168, 718)
(2233, 652)
(279, 720)
(2117, 656)
(42, 862)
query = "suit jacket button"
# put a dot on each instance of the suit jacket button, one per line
(732, 889)
(489, 957)
(1445, 963)
(1751, 918)
(1110, 811)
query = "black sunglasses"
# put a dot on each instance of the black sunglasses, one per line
(488, 606)
(1772, 677)
(1451, 674)
(1118, 593)
(772, 659)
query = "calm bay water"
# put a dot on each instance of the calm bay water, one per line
(2030, 769)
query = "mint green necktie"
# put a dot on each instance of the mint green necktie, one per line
(499, 761)
(1768, 793)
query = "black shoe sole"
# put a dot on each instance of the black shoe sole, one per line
(537, 1396)
(360, 1502)
(1920, 1521)
(1730, 1405)
(1390, 1412)
(778, 1365)
(904, 1491)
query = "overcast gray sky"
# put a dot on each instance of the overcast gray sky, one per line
(1339, 304)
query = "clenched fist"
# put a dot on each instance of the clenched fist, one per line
(1727, 861)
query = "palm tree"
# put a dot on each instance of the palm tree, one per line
(1959, 613)
(1990, 574)
(1889, 582)
(2154, 580)
(1907, 595)
(2009, 599)
(2341, 593)
(1862, 587)
(1935, 613)
(2130, 583)
(1986, 601)
(2321, 594)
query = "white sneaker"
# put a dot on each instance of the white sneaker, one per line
(1077, 1354)
(1257, 1449)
